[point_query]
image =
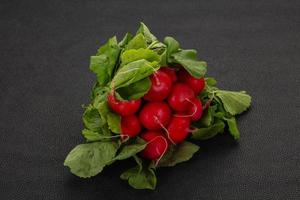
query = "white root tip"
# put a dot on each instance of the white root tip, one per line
(165, 129)
(194, 106)
(164, 152)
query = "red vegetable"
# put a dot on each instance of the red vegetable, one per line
(180, 97)
(171, 72)
(197, 84)
(155, 115)
(123, 108)
(130, 126)
(195, 109)
(178, 128)
(161, 84)
(157, 145)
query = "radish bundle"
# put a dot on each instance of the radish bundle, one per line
(150, 101)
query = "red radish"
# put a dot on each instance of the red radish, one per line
(197, 84)
(161, 84)
(180, 97)
(171, 72)
(157, 145)
(178, 128)
(123, 108)
(195, 109)
(130, 126)
(155, 115)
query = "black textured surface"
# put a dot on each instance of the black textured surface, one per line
(44, 78)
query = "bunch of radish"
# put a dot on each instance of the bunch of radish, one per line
(164, 115)
(146, 105)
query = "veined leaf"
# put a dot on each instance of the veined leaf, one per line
(233, 129)
(137, 42)
(91, 119)
(114, 122)
(87, 160)
(207, 118)
(130, 150)
(138, 54)
(105, 60)
(177, 154)
(209, 132)
(234, 102)
(135, 90)
(125, 40)
(146, 32)
(144, 179)
(188, 59)
(133, 72)
(92, 136)
(172, 47)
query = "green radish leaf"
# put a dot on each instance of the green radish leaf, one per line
(233, 129)
(130, 150)
(234, 102)
(103, 109)
(100, 98)
(207, 118)
(92, 136)
(131, 55)
(125, 40)
(87, 160)
(144, 179)
(135, 90)
(114, 122)
(172, 47)
(139, 162)
(98, 91)
(210, 81)
(105, 60)
(99, 65)
(177, 154)
(146, 32)
(133, 72)
(158, 47)
(209, 132)
(188, 59)
(163, 58)
(220, 107)
(137, 42)
(130, 172)
(204, 96)
(92, 119)
(219, 115)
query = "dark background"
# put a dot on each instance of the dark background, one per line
(44, 79)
